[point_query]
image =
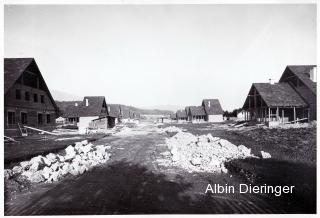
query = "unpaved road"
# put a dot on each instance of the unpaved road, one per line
(133, 182)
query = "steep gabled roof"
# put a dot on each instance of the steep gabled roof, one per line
(173, 116)
(303, 73)
(212, 106)
(181, 114)
(13, 69)
(114, 110)
(97, 107)
(277, 95)
(197, 111)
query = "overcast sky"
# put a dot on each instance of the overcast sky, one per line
(162, 55)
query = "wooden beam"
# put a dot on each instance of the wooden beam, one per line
(294, 114)
(269, 114)
(40, 130)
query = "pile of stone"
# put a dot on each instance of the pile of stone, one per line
(171, 129)
(204, 153)
(75, 160)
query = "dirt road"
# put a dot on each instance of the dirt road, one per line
(134, 182)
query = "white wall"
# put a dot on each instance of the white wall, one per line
(215, 118)
(84, 123)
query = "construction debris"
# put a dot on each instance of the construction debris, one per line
(40, 130)
(265, 155)
(204, 153)
(52, 167)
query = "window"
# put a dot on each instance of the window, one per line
(24, 118)
(48, 118)
(11, 117)
(35, 97)
(27, 96)
(40, 121)
(42, 98)
(18, 94)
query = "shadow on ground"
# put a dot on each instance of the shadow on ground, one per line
(280, 173)
(126, 188)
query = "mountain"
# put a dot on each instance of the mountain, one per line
(172, 108)
(148, 111)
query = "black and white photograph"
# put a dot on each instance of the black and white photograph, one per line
(131, 109)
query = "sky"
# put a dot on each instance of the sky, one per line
(156, 55)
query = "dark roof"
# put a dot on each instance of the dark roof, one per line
(181, 114)
(114, 110)
(279, 95)
(125, 112)
(13, 69)
(173, 116)
(303, 73)
(63, 105)
(212, 106)
(197, 111)
(96, 107)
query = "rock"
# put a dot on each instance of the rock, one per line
(108, 147)
(8, 173)
(17, 169)
(196, 161)
(51, 157)
(36, 177)
(84, 142)
(85, 149)
(46, 172)
(70, 152)
(25, 164)
(265, 155)
(244, 150)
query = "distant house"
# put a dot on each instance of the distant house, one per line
(114, 110)
(196, 114)
(213, 110)
(27, 99)
(181, 116)
(173, 117)
(292, 99)
(92, 108)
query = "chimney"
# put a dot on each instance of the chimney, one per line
(76, 104)
(313, 74)
(208, 103)
(87, 102)
(271, 81)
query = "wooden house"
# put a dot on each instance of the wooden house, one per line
(292, 99)
(213, 110)
(274, 103)
(27, 99)
(196, 114)
(92, 112)
(302, 79)
(181, 116)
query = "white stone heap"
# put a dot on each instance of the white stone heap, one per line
(204, 153)
(52, 167)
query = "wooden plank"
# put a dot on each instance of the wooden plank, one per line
(39, 130)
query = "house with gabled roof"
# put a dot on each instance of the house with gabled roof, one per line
(213, 109)
(27, 99)
(92, 112)
(181, 116)
(293, 99)
(196, 114)
(303, 79)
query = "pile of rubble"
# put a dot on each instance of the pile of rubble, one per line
(170, 129)
(204, 153)
(75, 160)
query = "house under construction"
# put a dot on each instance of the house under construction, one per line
(293, 99)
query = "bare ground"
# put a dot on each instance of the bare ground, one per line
(133, 182)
